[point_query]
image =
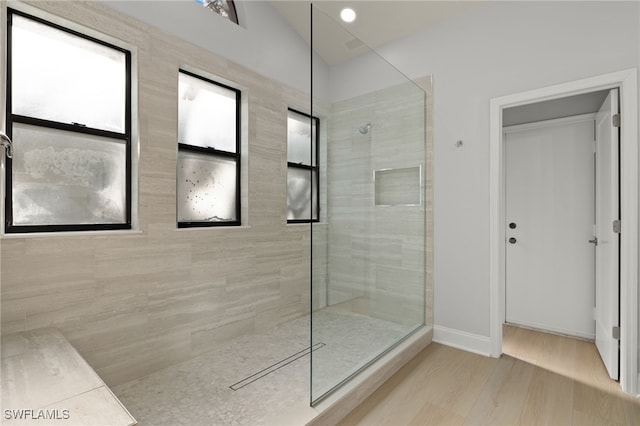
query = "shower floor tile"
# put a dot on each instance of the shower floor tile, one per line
(197, 392)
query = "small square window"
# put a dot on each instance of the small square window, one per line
(206, 188)
(60, 177)
(207, 114)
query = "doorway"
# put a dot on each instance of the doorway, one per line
(626, 83)
(550, 199)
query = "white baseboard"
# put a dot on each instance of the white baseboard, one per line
(462, 340)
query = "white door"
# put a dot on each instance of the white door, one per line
(550, 276)
(607, 251)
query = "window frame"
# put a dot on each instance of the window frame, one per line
(311, 168)
(77, 128)
(216, 153)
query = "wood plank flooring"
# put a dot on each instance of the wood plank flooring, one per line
(541, 379)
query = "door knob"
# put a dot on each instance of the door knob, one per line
(512, 225)
(594, 241)
(512, 240)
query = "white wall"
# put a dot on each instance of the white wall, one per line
(503, 48)
(264, 42)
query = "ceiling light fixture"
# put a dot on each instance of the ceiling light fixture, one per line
(348, 15)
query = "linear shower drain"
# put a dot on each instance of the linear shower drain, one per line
(274, 367)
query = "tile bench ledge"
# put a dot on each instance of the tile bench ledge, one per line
(43, 373)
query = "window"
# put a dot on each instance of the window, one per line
(224, 8)
(208, 175)
(302, 168)
(68, 114)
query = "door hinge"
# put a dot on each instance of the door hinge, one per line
(616, 120)
(617, 226)
(616, 333)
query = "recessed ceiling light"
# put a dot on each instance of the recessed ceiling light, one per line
(348, 15)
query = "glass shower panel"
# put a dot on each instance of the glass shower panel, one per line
(369, 248)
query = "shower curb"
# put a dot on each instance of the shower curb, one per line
(343, 401)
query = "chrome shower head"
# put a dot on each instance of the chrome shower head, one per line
(365, 129)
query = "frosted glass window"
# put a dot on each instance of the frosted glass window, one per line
(207, 114)
(61, 178)
(69, 118)
(299, 194)
(206, 188)
(301, 139)
(59, 76)
(208, 153)
(302, 163)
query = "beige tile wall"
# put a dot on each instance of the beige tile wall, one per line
(380, 257)
(135, 302)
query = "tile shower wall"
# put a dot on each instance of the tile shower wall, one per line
(136, 302)
(376, 254)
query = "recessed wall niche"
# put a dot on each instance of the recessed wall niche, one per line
(398, 187)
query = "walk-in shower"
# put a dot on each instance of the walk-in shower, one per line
(211, 325)
(369, 247)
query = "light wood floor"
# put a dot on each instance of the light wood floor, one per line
(541, 379)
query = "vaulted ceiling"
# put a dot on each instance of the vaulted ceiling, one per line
(377, 23)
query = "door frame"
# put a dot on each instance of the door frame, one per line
(627, 83)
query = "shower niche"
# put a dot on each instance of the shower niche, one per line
(398, 187)
(370, 248)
